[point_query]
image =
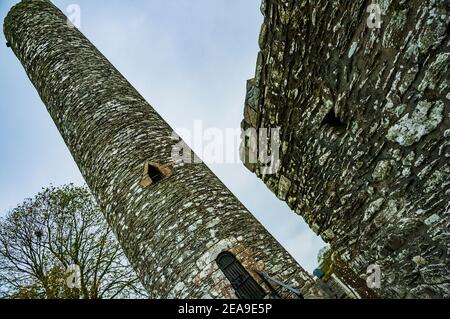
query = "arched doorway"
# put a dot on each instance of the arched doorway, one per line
(242, 282)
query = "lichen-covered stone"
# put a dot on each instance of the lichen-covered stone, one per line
(173, 230)
(382, 171)
(411, 128)
(364, 118)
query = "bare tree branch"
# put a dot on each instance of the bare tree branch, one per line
(60, 227)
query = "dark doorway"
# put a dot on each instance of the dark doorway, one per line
(243, 283)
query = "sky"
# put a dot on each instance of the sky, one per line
(189, 58)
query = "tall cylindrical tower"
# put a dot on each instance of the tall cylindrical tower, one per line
(182, 230)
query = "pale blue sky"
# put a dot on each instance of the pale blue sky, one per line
(189, 58)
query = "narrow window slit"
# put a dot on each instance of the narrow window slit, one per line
(333, 121)
(155, 173)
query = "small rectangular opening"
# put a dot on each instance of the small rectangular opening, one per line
(333, 121)
(155, 174)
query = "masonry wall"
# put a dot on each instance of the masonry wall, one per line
(171, 231)
(364, 118)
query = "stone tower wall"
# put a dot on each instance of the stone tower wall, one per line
(171, 231)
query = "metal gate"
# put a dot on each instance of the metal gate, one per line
(243, 283)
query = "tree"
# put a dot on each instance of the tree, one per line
(62, 229)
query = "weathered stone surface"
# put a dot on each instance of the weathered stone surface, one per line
(411, 128)
(364, 118)
(171, 231)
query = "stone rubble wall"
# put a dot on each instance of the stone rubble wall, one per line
(364, 118)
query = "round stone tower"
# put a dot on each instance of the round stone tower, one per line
(182, 230)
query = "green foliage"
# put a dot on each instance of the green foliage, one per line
(325, 258)
(56, 287)
(41, 238)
